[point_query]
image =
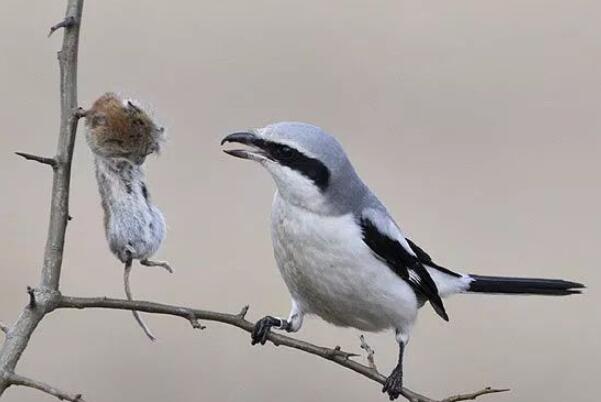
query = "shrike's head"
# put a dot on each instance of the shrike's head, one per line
(309, 166)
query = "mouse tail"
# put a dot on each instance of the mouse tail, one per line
(139, 320)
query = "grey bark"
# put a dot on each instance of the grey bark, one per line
(18, 336)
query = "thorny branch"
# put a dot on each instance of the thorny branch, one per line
(42, 299)
(47, 298)
(335, 354)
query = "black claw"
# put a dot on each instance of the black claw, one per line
(394, 384)
(260, 332)
(265, 335)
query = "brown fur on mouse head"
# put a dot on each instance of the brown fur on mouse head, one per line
(119, 128)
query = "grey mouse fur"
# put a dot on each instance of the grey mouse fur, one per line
(121, 134)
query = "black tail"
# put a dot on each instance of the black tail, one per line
(531, 286)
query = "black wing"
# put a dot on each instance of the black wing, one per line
(425, 259)
(404, 264)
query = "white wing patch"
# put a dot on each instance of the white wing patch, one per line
(414, 277)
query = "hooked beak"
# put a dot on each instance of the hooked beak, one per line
(251, 140)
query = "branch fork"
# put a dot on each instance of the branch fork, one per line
(42, 300)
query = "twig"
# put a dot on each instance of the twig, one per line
(370, 352)
(41, 159)
(243, 312)
(40, 386)
(335, 355)
(68, 22)
(70, 115)
(474, 395)
(195, 323)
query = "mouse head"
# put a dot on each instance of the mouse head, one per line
(119, 128)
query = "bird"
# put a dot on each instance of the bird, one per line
(341, 254)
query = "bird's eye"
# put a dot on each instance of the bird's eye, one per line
(286, 152)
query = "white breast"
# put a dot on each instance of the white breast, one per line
(330, 272)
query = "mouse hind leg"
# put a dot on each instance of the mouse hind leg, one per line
(163, 264)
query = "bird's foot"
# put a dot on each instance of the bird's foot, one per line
(262, 328)
(393, 385)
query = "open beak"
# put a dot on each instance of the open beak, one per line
(253, 143)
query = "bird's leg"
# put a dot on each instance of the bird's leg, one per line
(263, 326)
(394, 383)
(162, 264)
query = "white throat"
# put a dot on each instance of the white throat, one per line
(295, 188)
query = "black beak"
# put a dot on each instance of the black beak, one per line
(241, 138)
(247, 138)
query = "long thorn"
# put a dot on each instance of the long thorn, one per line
(41, 159)
(31, 293)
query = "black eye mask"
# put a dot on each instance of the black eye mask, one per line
(309, 167)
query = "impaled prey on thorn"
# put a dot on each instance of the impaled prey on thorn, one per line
(121, 135)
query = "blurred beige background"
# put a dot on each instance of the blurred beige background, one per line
(477, 123)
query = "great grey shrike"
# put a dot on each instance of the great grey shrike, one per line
(341, 254)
